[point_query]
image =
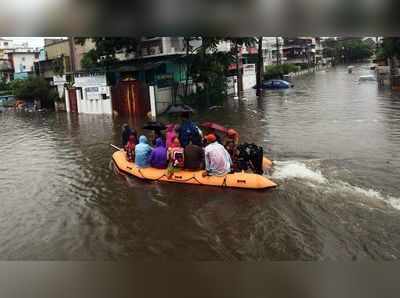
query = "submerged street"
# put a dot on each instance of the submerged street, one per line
(335, 143)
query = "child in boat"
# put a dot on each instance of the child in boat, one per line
(176, 157)
(158, 157)
(130, 148)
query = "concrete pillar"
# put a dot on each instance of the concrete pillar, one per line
(66, 99)
(236, 96)
(153, 109)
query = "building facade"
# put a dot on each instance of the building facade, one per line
(90, 94)
(303, 51)
(5, 44)
(22, 61)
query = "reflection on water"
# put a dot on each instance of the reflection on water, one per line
(336, 144)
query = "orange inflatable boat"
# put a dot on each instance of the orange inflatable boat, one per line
(238, 180)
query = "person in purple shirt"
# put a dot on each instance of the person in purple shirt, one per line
(158, 157)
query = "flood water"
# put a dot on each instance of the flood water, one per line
(335, 143)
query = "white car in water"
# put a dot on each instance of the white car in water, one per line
(367, 78)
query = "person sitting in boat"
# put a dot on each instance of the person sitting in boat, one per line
(142, 153)
(157, 134)
(175, 157)
(231, 147)
(188, 130)
(231, 135)
(212, 131)
(194, 157)
(217, 159)
(126, 132)
(158, 157)
(170, 135)
(130, 148)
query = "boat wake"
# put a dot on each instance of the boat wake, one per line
(309, 171)
(296, 169)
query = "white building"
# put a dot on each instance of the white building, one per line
(91, 94)
(5, 44)
(22, 60)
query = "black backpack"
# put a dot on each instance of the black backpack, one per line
(250, 156)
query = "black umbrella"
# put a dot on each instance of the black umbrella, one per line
(179, 109)
(154, 125)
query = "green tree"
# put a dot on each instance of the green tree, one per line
(3, 85)
(34, 88)
(276, 71)
(390, 50)
(190, 50)
(208, 69)
(238, 43)
(106, 49)
(58, 66)
(347, 50)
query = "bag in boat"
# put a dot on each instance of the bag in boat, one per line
(250, 156)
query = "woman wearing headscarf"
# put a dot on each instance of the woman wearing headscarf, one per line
(125, 133)
(158, 157)
(142, 153)
(170, 135)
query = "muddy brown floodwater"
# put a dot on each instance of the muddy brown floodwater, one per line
(335, 143)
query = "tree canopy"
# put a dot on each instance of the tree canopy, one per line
(34, 88)
(347, 50)
(106, 49)
(390, 48)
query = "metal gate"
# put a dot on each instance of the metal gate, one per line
(73, 103)
(131, 98)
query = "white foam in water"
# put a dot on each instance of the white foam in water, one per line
(394, 202)
(371, 193)
(295, 169)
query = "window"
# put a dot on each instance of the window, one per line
(6, 44)
(23, 58)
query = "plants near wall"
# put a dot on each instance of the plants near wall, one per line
(34, 88)
(106, 49)
(276, 71)
(347, 50)
(208, 71)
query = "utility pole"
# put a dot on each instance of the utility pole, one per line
(260, 66)
(278, 51)
(72, 54)
(238, 70)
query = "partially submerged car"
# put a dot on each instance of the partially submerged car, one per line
(276, 84)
